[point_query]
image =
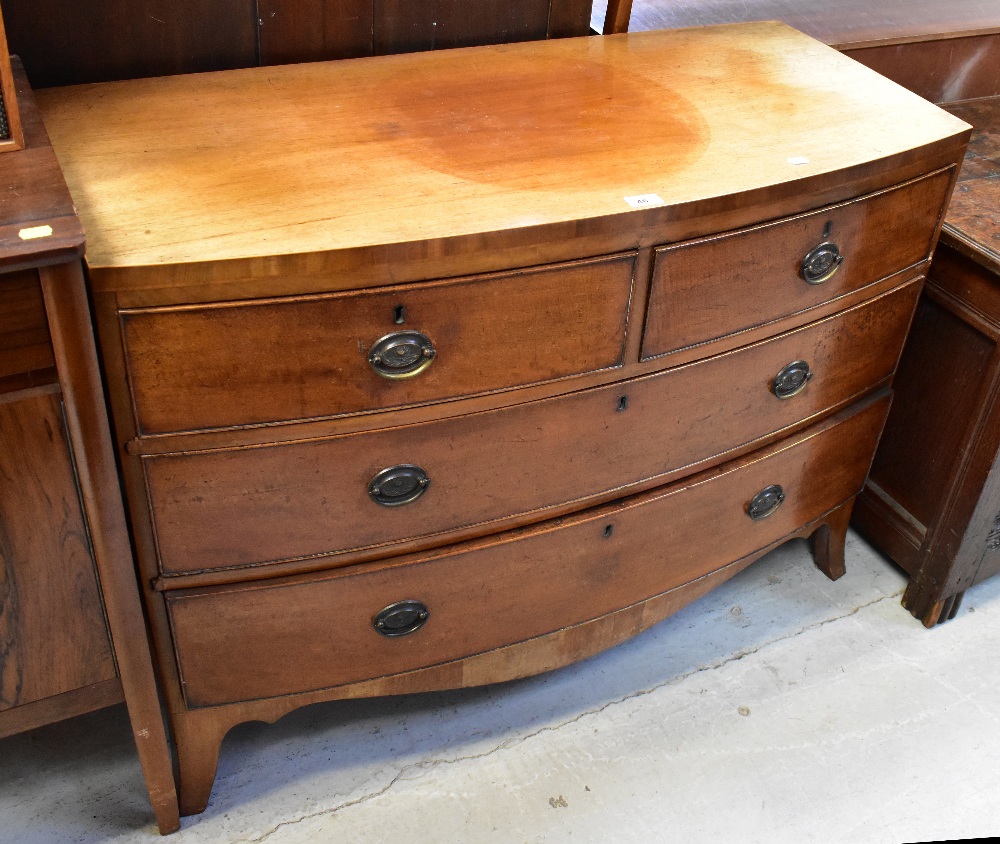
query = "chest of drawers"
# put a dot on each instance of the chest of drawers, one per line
(439, 370)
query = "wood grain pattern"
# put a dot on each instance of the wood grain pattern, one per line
(24, 333)
(128, 160)
(315, 30)
(309, 500)
(231, 641)
(941, 70)
(405, 27)
(66, 43)
(252, 362)
(53, 638)
(735, 281)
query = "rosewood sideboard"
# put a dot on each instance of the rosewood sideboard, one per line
(933, 501)
(438, 370)
(72, 634)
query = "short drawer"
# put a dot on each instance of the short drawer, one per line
(706, 289)
(317, 631)
(265, 504)
(263, 361)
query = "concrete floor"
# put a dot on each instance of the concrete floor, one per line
(780, 708)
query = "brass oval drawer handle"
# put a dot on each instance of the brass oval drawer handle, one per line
(765, 502)
(402, 354)
(398, 485)
(821, 262)
(401, 618)
(792, 379)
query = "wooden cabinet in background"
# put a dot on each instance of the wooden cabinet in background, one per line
(933, 501)
(65, 42)
(72, 634)
(582, 440)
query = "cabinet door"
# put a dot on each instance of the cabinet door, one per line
(53, 635)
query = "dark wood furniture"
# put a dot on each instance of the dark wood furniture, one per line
(455, 385)
(72, 635)
(64, 42)
(933, 501)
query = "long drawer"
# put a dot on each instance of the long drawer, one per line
(233, 643)
(248, 506)
(261, 361)
(716, 286)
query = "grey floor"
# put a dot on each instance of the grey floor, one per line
(780, 708)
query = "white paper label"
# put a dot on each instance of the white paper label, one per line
(647, 200)
(36, 232)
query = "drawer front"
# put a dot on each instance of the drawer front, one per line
(24, 330)
(254, 362)
(706, 289)
(281, 637)
(264, 504)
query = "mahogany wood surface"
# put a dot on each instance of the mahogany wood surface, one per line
(933, 500)
(61, 512)
(131, 151)
(413, 173)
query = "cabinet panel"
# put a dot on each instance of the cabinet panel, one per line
(24, 333)
(314, 30)
(403, 26)
(65, 43)
(53, 637)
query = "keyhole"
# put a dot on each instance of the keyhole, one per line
(622, 403)
(608, 530)
(828, 229)
(399, 314)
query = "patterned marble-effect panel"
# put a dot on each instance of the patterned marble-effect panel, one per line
(974, 214)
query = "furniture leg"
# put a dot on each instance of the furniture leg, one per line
(827, 542)
(928, 611)
(198, 740)
(76, 360)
